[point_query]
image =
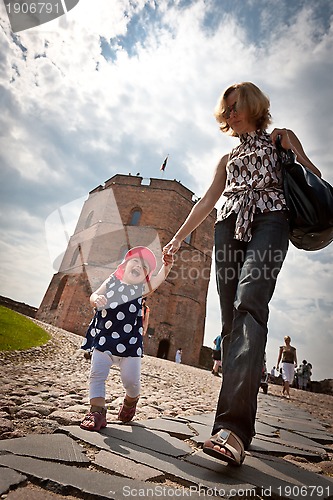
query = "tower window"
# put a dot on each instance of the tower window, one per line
(59, 291)
(135, 217)
(89, 219)
(75, 256)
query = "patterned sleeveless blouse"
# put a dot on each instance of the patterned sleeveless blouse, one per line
(117, 329)
(254, 182)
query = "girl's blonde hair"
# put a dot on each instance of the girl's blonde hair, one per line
(250, 99)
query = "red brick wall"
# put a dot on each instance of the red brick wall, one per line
(178, 306)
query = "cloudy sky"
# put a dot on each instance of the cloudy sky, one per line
(115, 86)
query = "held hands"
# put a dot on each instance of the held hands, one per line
(169, 250)
(168, 259)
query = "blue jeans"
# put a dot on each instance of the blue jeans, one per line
(246, 274)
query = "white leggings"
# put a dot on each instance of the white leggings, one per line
(101, 362)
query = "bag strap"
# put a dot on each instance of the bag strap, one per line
(287, 156)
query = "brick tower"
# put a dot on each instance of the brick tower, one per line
(129, 211)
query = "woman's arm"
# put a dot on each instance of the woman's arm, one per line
(290, 141)
(202, 209)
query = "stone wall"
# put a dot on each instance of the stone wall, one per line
(20, 307)
(323, 387)
(104, 232)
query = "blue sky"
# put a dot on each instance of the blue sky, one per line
(114, 87)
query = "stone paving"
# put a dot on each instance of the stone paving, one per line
(45, 455)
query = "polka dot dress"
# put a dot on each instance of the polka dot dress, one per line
(117, 329)
(254, 182)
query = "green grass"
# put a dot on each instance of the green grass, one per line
(18, 332)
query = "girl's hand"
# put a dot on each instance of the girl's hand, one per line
(100, 301)
(168, 259)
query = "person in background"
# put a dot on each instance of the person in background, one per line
(251, 242)
(309, 374)
(217, 355)
(178, 357)
(304, 375)
(287, 356)
(272, 374)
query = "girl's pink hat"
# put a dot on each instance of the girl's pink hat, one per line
(143, 253)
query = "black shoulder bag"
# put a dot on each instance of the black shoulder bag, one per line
(310, 202)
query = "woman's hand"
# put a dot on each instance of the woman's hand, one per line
(284, 137)
(170, 249)
(290, 141)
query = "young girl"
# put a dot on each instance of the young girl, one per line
(115, 333)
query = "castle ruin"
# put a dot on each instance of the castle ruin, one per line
(129, 211)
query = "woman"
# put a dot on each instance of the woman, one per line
(251, 241)
(287, 354)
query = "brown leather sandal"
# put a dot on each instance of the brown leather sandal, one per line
(94, 421)
(127, 410)
(226, 439)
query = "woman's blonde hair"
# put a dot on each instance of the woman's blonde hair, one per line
(251, 99)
